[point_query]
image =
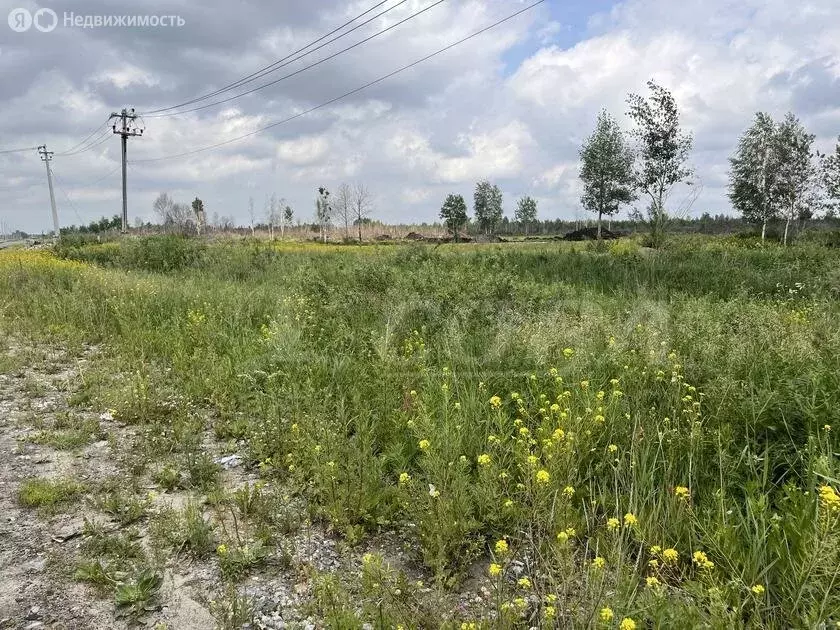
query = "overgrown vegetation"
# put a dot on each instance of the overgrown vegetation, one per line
(609, 436)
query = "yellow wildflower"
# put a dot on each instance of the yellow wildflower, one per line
(483, 459)
(758, 589)
(404, 478)
(222, 550)
(508, 504)
(829, 499)
(612, 448)
(424, 445)
(671, 555)
(606, 615)
(568, 492)
(656, 550)
(652, 582)
(549, 613)
(702, 560)
(613, 524)
(681, 492)
(495, 570)
(568, 353)
(630, 519)
(524, 582)
(627, 624)
(543, 477)
(495, 402)
(501, 547)
(599, 563)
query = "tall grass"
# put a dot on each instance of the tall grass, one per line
(591, 409)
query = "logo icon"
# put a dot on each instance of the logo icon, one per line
(20, 20)
(45, 20)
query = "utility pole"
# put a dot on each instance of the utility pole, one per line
(127, 128)
(46, 157)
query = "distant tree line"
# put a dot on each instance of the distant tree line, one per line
(775, 175)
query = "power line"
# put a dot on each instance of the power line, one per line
(266, 69)
(346, 94)
(5, 151)
(106, 176)
(304, 69)
(79, 144)
(101, 139)
(58, 181)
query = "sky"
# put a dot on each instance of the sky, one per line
(512, 105)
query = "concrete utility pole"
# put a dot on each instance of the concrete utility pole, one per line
(46, 156)
(127, 128)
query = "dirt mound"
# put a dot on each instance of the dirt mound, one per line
(590, 234)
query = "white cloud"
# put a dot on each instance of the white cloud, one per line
(508, 105)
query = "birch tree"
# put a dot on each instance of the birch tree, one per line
(753, 172)
(606, 170)
(663, 150)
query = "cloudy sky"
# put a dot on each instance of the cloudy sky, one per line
(512, 105)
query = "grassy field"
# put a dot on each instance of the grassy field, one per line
(585, 437)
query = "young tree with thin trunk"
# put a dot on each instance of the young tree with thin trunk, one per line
(454, 214)
(796, 183)
(753, 172)
(487, 206)
(606, 169)
(198, 211)
(663, 149)
(251, 214)
(287, 219)
(323, 211)
(830, 179)
(273, 216)
(342, 205)
(526, 212)
(361, 205)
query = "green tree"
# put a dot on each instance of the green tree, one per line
(454, 214)
(198, 211)
(323, 211)
(606, 169)
(796, 183)
(526, 211)
(753, 172)
(288, 213)
(487, 206)
(663, 149)
(830, 176)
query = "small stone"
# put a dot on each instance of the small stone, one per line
(33, 625)
(229, 461)
(34, 613)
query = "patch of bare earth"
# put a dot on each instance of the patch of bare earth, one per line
(40, 548)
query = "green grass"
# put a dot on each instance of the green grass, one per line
(466, 395)
(48, 494)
